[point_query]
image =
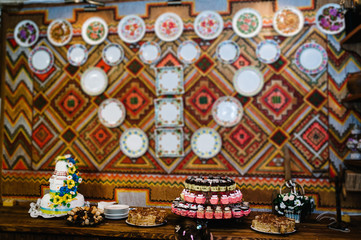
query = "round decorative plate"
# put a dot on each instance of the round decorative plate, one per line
(227, 111)
(111, 112)
(206, 142)
(188, 52)
(208, 25)
(113, 54)
(311, 58)
(329, 20)
(131, 29)
(149, 52)
(94, 81)
(168, 27)
(268, 51)
(41, 59)
(77, 54)
(288, 21)
(228, 51)
(26, 33)
(248, 81)
(147, 226)
(134, 142)
(60, 32)
(247, 23)
(94, 30)
(253, 228)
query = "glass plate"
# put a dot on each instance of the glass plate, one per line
(248, 81)
(271, 232)
(94, 30)
(156, 225)
(268, 51)
(169, 142)
(247, 23)
(26, 33)
(329, 20)
(113, 54)
(311, 58)
(131, 29)
(149, 52)
(94, 81)
(228, 51)
(208, 25)
(59, 32)
(227, 111)
(168, 112)
(288, 21)
(169, 80)
(168, 27)
(111, 112)
(206, 143)
(134, 142)
(77, 55)
(41, 60)
(188, 52)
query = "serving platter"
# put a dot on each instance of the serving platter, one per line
(94, 30)
(228, 51)
(77, 54)
(329, 19)
(169, 142)
(208, 25)
(311, 58)
(169, 80)
(111, 112)
(94, 81)
(188, 52)
(247, 22)
(206, 143)
(168, 27)
(41, 60)
(168, 112)
(248, 81)
(26, 33)
(134, 142)
(113, 54)
(59, 32)
(131, 29)
(148, 226)
(272, 233)
(288, 21)
(268, 51)
(227, 111)
(149, 52)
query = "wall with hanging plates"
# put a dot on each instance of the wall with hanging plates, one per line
(144, 94)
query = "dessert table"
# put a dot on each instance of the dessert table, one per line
(16, 223)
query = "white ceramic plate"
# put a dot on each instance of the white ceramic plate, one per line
(41, 59)
(94, 30)
(131, 29)
(169, 80)
(116, 216)
(77, 55)
(113, 54)
(169, 142)
(188, 52)
(228, 51)
(168, 112)
(208, 25)
(26, 33)
(268, 51)
(111, 112)
(288, 21)
(227, 111)
(149, 52)
(59, 32)
(168, 27)
(94, 81)
(247, 23)
(329, 20)
(134, 142)
(311, 58)
(206, 142)
(248, 81)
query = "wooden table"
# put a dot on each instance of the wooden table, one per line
(16, 223)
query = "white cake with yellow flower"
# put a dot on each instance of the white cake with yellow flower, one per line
(64, 182)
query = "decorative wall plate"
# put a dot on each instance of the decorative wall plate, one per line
(131, 29)
(206, 143)
(77, 54)
(60, 32)
(94, 81)
(329, 20)
(94, 30)
(288, 21)
(168, 27)
(188, 52)
(247, 23)
(113, 54)
(169, 142)
(149, 52)
(26, 33)
(248, 81)
(111, 112)
(227, 111)
(228, 51)
(311, 58)
(208, 25)
(41, 59)
(268, 51)
(168, 112)
(169, 80)
(134, 142)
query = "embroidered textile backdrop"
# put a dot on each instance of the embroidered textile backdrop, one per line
(48, 115)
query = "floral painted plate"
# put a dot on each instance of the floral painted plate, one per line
(329, 19)
(169, 80)
(26, 33)
(206, 143)
(111, 112)
(188, 52)
(94, 81)
(268, 51)
(131, 29)
(168, 112)
(208, 25)
(60, 32)
(149, 52)
(311, 58)
(41, 60)
(228, 51)
(247, 23)
(227, 111)
(134, 142)
(288, 21)
(169, 142)
(113, 54)
(77, 55)
(168, 27)
(248, 81)
(94, 30)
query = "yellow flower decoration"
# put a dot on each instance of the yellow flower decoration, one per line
(70, 183)
(57, 200)
(72, 170)
(58, 158)
(67, 197)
